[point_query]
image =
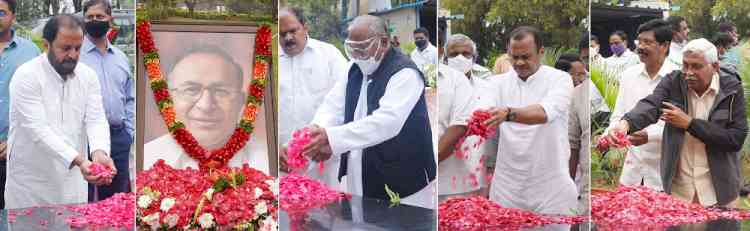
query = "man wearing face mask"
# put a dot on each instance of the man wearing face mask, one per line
(705, 126)
(425, 53)
(376, 121)
(530, 106)
(460, 54)
(642, 162)
(308, 70)
(622, 57)
(680, 32)
(118, 94)
(57, 121)
(454, 110)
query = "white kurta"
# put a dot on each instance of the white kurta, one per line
(619, 63)
(454, 108)
(531, 171)
(166, 148)
(642, 162)
(304, 80)
(675, 54)
(51, 122)
(424, 57)
(401, 95)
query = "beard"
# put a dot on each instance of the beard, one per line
(64, 67)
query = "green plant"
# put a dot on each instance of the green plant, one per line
(606, 82)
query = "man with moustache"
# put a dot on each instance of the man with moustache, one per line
(118, 94)
(56, 122)
(14, 51)
(308, 69)
(642, 163)
(531, 106)
(705, 126)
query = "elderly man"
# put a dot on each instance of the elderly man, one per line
(209, 107)
(704, 112)
(531, 107)
(376, 121)
(680, 32)
(308, 70)
(461, 52)
(642, 163)
(454, 110)
(118, 94)
(15, 51)
(426, 53)
(56, 118)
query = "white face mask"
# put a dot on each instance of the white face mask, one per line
(461, 63)
(369, 65)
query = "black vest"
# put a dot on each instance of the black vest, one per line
(406, 162)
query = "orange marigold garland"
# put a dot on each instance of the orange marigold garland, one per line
(207, 159)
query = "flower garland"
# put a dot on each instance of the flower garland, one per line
(207, 159)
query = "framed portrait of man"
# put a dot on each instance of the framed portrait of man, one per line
(208, 68)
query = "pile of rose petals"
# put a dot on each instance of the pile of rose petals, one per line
(100, 170)
(295, 160)
(116, 212)
(621, 141)
(478, 213)
(300, 194)
(644, 208)
(187, 188)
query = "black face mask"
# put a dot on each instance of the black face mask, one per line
(96, 28)
(421, 43)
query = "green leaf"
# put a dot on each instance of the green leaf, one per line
(220, 184)
(394, 198)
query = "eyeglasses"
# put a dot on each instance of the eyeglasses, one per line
(193, 93)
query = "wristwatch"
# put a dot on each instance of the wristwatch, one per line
(511, 115)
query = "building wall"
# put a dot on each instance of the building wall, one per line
(403, 22)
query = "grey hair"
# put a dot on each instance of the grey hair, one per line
(376, 25)
(702, 46)
(461, 39)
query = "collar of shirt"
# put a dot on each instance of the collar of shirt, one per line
(713, 87)
(480, 72)
(532, 77)
(88, 46)
(51, 70)
(309, 45)
(676, 46)
(13, 40)
(427, 48)
(666, 68)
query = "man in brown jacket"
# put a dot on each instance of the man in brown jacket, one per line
(706, 125)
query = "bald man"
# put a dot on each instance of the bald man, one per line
(376, 121)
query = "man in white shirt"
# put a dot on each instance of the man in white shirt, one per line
(531, 109)
(425, 53)
(622, 57)
(642, 162)
(308, 69)
(207, 88)
(460, 55)
(454, 110)
(680, 32)
(376, 121)
(56, 117)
